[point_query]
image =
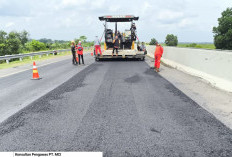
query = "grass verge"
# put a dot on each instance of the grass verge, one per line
(194, 45)
(26, 60)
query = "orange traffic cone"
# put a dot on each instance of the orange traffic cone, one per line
(35, 72)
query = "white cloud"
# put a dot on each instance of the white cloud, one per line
(65, 19)
(98, 3)
(9, 24)
(185, 23)
(2, 3)
(70, 2)
(146, 7)
(169, 17)
(114, 8)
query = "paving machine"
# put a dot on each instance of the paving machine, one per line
(127, 39)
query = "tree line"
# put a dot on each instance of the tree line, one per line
(171, 40)
(19, 42)
(222, 33)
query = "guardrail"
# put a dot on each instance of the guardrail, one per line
(7, 58)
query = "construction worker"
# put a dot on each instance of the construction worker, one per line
(158, 55)
(116, 45)
(74, 59)
(97, 45)
(143, 48)
(80, 53)
(120, 38)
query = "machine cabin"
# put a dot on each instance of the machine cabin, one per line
(126, 38)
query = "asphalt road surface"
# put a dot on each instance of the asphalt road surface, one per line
(18, 90)
(122, 108)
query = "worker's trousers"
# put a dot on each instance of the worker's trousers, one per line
(98, 48)
(81, 58)
(157, 61)
(115, 48)
(74, 59)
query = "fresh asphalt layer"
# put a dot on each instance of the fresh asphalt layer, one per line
(121, 108)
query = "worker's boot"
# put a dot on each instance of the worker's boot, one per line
(157, 70)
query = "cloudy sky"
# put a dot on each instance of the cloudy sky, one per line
(190, 20)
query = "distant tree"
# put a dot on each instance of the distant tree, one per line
(2, 43)
(3, 35)
(76, 41)
(83, 38)
(13, 43)
(35, 45)
(48, 45)
(223, 33)
(24, 37)
(60, 41)
(88, 44)
(153, 41)
(46, 41)
(171, 40)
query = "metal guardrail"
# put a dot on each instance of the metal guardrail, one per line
(7, 58)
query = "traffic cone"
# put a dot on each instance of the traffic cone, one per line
(35, 72)
(91, 53)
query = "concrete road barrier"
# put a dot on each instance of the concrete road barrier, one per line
(215, 66)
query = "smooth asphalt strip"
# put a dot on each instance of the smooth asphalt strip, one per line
(122, 108)
(19, 90)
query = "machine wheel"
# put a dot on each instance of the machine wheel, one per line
(96, 59)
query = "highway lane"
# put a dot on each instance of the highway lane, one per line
(18, 90)
(122, 108)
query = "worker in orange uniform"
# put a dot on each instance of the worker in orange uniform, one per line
(97, 45)
(79, 49)
(158, 54)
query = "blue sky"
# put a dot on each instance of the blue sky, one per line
(190, 20)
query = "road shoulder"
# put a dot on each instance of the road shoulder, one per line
(214, 100)
(21, 68)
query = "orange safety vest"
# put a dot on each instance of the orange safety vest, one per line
(159, 50)
(79, 49)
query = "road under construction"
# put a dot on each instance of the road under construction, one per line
(119, 107)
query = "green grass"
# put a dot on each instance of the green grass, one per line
(202, 46)
(194, 45)
(26, 60)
